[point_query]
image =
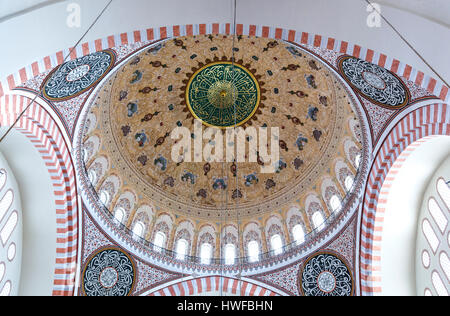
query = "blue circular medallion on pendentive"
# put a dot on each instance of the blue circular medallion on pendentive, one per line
(109, 272)
(375, 83)
(76, 76)
(326, 275)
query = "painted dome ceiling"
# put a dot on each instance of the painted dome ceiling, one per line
(274, 84)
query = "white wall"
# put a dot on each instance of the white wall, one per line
(398, 247)
(31, 36)
(39, 215)
(423, 275)
(12, 268)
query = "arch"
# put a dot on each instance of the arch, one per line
(355, 128)
(143, 218)
(425, 121)
(185, 231)
(98, 167)
(125, 202)
(274, 226)
(206, 252)
(139, 229)
(343, 173)
(159, 241)
(352, 152)
(207, 234)
(164, 224)
(144, 213)
(110, 186)
(298, 234)
(120, 214)
(90, 148)
(331, 195)
(276, 244)
(252, 233)
(229, 235)
(91, 123)
(313, 207)
(318, 220)
(294, 218)
(50, 141)
(181, 248)
(208, 284)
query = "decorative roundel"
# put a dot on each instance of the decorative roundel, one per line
(376, 83)
(76, 76)
(223, 94)
(109, 272)
(326, 275)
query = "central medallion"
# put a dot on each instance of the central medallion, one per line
(223, 94)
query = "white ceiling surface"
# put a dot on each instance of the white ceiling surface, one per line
(12, 8)
(435, 10)
(398, 245)
(44, 31)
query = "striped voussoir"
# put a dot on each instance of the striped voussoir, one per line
(143, 36)
(214, 284)
(413, 130)
(42, 131)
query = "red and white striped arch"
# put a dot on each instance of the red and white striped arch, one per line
(148, 35)
(45, 135)
(416, 127)
(215, 284)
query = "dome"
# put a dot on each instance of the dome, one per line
(219, 132)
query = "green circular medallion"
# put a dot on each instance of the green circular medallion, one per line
(223, 94)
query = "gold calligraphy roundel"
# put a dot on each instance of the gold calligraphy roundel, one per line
(223, 94)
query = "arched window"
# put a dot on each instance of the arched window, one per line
(430, 235)
(205, 253)
(445, 264)
(335, 203)
(181, 249)
(438, 284)
(230, 254)
(6, 290)
(5, 203)
(253, 251)
(92, 176)
(276, 244)
(444, 191)
(3, 178)
(357, 160)
(318, 221)
(119, 215)
(104, 197)
(158, 242)
(298, 234)
(9, 227)
(437, 214)
(138, 230)
(348, 182)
